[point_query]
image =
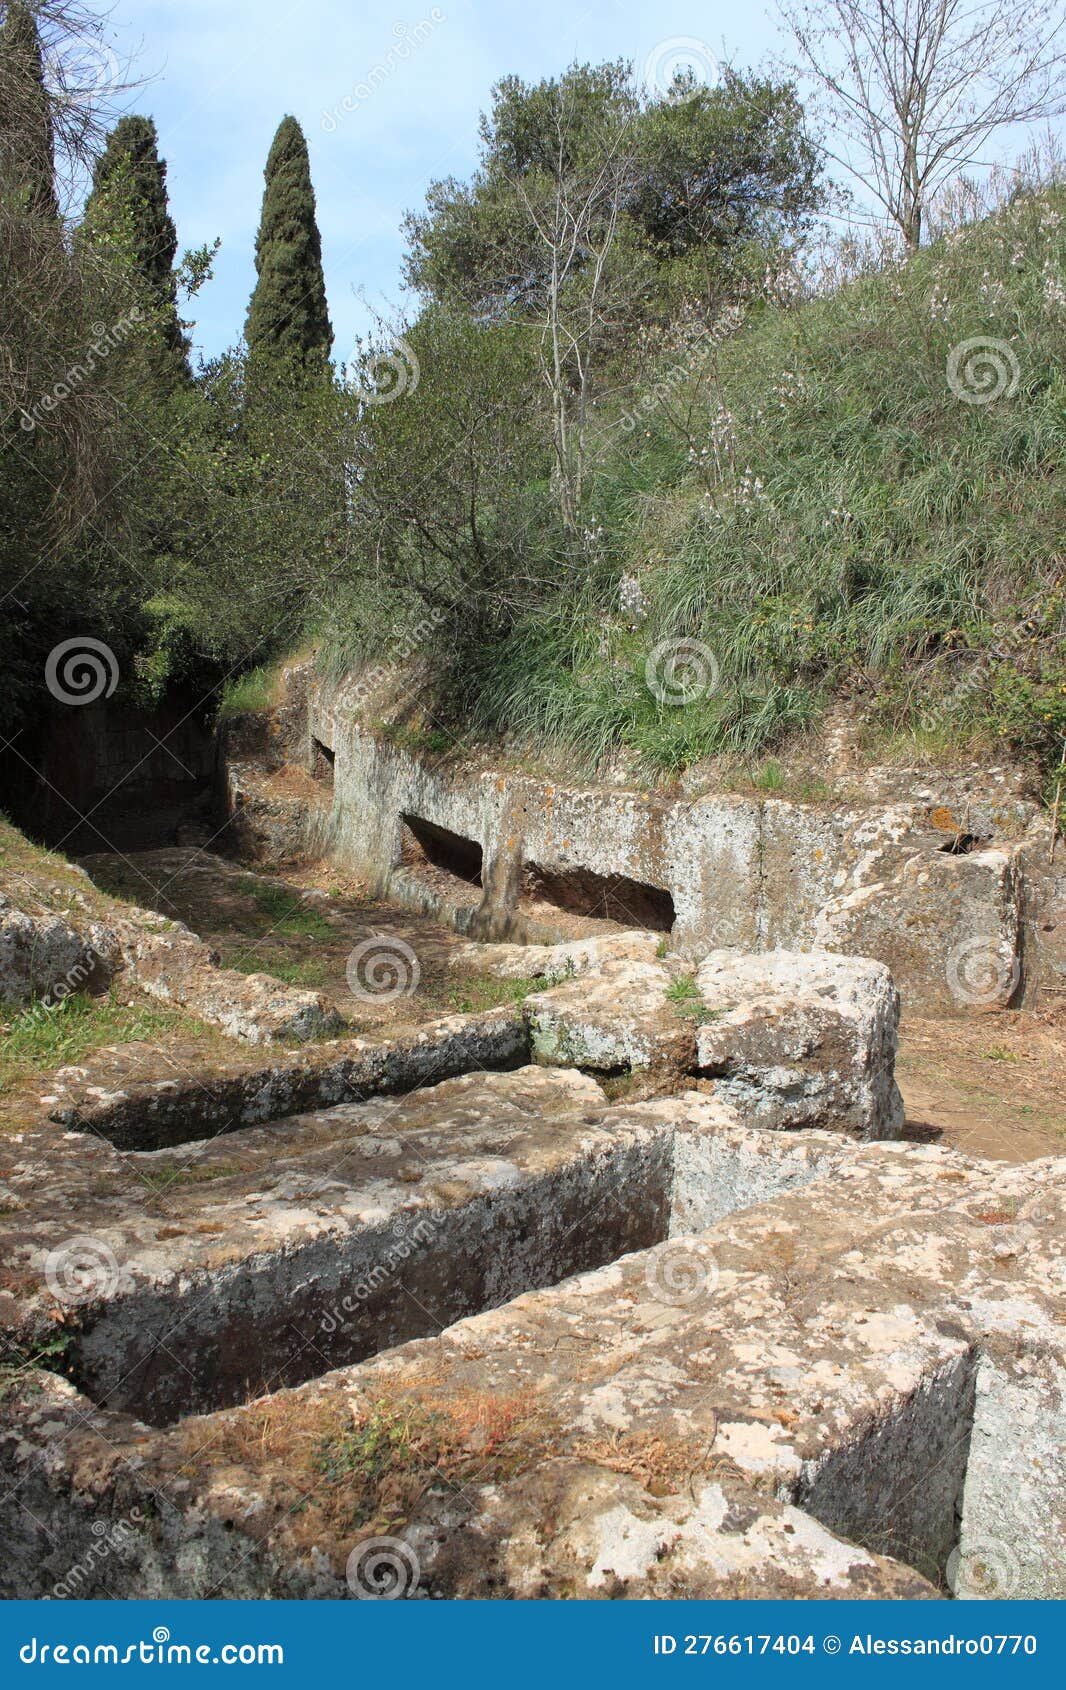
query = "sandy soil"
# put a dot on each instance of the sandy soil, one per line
(992, 1086)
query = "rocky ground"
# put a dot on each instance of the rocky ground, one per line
(493, 1259)
(990, 1085)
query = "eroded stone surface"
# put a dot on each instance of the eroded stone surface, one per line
(229, 1266)
(46, 955)
(620, 1018)
(797, 1040)
(770, 1407)
(40, 954)
(791, 1040)
(191, 1105)
(941, 893)
(557, 962)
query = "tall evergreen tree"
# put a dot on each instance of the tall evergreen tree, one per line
(288, 329)
(27, 139)
(128, 221)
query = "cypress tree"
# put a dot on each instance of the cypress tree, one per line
(27, 140)
(127, 220)
(288, 329)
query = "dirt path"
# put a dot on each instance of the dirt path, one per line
(994, 1086)
(386, 968)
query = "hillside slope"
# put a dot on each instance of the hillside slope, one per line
(859, 498)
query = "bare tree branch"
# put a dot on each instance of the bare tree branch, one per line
(912, 90)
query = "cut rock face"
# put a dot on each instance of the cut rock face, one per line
(620, 1018)
(791, 1040)
(802, 1040)
(798, 1401)
(912, 882)
(950, 926)
(553, 1345)
(327, 1236)
(557, 962)
(41, 955)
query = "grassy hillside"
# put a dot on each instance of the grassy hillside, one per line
(829, 504)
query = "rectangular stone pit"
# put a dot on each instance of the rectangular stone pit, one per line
(746, 1363)
(270, 1256)
(267, 1258)
(781, 1405)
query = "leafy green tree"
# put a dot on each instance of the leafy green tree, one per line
(477, 243)
(450, 509)
(27, 142)
(724, 165)
(127, 222)
(707, 170)
(288, 330)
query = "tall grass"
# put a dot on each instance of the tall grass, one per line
(820, 510)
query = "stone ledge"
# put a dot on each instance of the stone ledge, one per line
(799, 1397)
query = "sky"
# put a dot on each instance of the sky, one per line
(388, 95)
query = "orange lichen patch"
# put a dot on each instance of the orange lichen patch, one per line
(942, 818)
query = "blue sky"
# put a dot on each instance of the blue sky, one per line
(224, 72)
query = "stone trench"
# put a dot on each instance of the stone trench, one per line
(630, 1288)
